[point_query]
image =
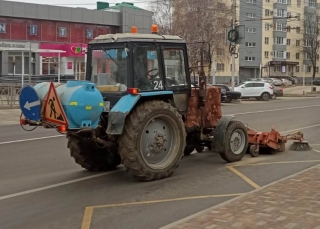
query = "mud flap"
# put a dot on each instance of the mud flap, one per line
(219, 134)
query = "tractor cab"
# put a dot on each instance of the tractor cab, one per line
(132, 63)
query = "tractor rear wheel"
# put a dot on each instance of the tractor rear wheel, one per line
(92, 157)
(236, 142)
(153, 141)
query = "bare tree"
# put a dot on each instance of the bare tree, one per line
(162, 15)
(202, 20)
(311, 40)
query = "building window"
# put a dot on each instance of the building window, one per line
(250, 15)
(307, 43)
(298, 16)
(282, 1)
(317, 56)
(62, 31)
(312, 3)
(298, 5)
(267, 0)
(279, 40)
(267, 13)
(266, 27)
(298, 30)
(15, 62)
(251, 30)
(49, 66)
(220, 67)
(250, 44)
(297, 43)
(251, 1)
(308, 69)
(288, 42)
(266, 54)
(297, 56)
(277, 68)
(297, 69)
(266, 40)
(288, 55)
(281, 13)
(249, 58)
(317, 69)
(280, 27)
(280, 54)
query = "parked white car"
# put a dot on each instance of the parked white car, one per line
(254, 89)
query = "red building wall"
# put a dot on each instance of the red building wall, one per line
(48, 31)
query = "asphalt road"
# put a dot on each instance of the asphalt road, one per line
(41, 187)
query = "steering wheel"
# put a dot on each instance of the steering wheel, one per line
(153, 76)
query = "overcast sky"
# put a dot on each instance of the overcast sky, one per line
(90, 4)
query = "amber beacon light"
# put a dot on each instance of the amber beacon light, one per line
(134, 29)
(154, 29)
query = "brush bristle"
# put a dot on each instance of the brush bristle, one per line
(300, 146)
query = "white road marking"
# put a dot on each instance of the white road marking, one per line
(30, 139)
(56, 185)
(283, 109)
(302, 128)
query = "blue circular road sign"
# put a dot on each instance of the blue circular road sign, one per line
(30, 103)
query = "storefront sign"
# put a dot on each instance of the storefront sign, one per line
(283, 63)
(2, 27)
(78, 50)
(71, 50)
(5, 44)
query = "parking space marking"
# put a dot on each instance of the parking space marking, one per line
(278, 162)
(89, 210)
(57, 185)
(283, 109)
(31, 139)
(318, 151)
(87, 218)
(244, 177)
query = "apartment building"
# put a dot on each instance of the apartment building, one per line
(275, 39)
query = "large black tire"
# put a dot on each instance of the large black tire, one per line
(92, 157)
(153, 141)
(188, 150)
(236, 134)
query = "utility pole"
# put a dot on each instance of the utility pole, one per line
(233, 54)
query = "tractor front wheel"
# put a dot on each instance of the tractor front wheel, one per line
(153, 141)
(92, 156)
(236, 142)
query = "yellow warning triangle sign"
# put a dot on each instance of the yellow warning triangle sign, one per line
(53, 111)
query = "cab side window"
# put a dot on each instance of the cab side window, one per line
(147, 73)
(175, 69)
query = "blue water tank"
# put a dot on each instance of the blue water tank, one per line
(81, 100)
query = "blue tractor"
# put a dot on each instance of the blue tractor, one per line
(136, 107)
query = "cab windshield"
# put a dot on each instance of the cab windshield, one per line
(109, 68)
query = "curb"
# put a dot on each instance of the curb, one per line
(183, 220)
(9, 108)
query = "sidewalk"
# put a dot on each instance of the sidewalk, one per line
(9, 116)
(298, 90)
(290, 203)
